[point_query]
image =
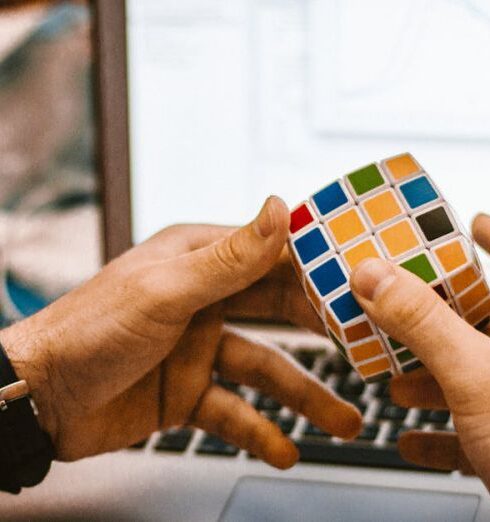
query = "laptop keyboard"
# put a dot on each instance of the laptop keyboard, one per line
(376, 446)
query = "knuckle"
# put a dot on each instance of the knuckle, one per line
(144, 282)
(140, 287)
(142, 291)
(176, 229)
(162, 235)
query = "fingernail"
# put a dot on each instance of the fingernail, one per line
(371, 277)
(264, 222)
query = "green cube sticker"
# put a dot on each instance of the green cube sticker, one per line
(405, 356)
(410, 367)
(366, 179)
(395, 344)
(422, 267)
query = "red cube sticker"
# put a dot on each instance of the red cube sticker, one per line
(300, 218)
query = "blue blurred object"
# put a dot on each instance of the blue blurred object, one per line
(18, 300)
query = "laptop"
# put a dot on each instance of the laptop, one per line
(179, 91)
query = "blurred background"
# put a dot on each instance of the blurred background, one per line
(230, 101)
(50, 226)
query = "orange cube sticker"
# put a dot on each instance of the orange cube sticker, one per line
(464, 279)
(346, 227)
(400, 238)
(366, 351)
(451, 256)
(358, 253)
(382, 208)
(402, 166)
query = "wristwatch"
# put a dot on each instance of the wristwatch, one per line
(26, 451)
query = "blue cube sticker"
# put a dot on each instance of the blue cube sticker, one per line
(330, 198)
(311, 246)
(346, 308)
(419, 192)
(328, 277)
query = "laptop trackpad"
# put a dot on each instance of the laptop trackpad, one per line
(271, 500)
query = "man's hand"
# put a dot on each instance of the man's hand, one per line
(456, 357)
(134, 350)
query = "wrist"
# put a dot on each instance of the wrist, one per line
(27, 354)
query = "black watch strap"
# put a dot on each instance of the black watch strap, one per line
(26, 451)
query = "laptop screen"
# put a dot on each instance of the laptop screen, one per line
(232, 100)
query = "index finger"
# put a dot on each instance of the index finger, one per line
(436, 450)
(182, 238)
(278, 375)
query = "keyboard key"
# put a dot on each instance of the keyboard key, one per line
(174, 440)
(336, 366)
(266, 403)
(369, 432)
(383, 391)
(349, 386)
(442, 427)
(326, 372)
(360, 405)
(230, 386)
(285, 423)
(434, 417)
(307, 359)
(212, 445)
(389, 411)
(320, 452)
(424, 416)
(396, 431)
(313, 431)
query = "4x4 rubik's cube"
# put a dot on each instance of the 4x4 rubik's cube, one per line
(390, 210)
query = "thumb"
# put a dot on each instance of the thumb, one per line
(236, 261)
(406, 308)
(481, 230)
